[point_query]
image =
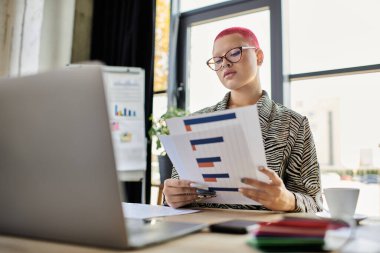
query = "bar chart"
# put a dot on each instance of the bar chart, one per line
(205, 141)
(208, 161)
(213, 177)
(212, 149)
(209, 119)
(123, 111)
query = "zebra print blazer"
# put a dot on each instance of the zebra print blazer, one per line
(290, 152)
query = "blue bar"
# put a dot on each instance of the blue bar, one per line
(206, 141)
(210, 119)
(116, 110)
(222, 175)
(209, 159)
(125, 112)
(223, 189)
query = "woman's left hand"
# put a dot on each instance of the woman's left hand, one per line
(273, 195)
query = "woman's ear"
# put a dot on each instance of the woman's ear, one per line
(259, 56)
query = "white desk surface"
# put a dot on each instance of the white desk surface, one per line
(203, 241)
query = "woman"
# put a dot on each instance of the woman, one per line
(290, 152)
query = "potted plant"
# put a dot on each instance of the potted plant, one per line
(159, 127)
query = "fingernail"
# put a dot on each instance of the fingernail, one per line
(243, 180)
(261, 168)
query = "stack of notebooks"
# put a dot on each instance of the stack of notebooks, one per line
(293, 234)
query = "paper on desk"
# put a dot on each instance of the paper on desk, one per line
(143, 211)
(216, 152)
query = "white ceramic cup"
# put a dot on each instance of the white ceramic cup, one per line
(341, 202)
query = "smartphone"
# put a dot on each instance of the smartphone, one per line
(234, 226)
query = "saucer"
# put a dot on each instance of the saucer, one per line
(357, 217)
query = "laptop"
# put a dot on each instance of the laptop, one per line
(58, 179)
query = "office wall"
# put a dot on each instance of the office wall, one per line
(56, 34)
(5, 35)
(35, 35)
(20, 23)
(82, 31)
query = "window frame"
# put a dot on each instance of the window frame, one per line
(218, 11)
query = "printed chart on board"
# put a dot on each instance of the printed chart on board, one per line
(125, 95)
(213, 149)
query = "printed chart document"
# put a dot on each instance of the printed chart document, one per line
(125, 96)
(218, 149)
(143, 211)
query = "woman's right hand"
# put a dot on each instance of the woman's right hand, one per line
(179, 192)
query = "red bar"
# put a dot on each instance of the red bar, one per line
(188, 128)
(209, 179)
(193, 146)
(209, 164)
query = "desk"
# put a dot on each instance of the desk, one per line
(199, 242)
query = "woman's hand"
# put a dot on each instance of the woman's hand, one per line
(272, 195)
(179, 193)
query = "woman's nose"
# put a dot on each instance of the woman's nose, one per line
(226, 63)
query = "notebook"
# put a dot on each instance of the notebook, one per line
(58, 179)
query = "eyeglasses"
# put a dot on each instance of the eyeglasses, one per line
(232, 56)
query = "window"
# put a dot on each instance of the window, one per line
(333, 34)
(201, 78)
(196, 34)
(188, 5)
(161, 67)
(332, 70)
(334, 65)
(161, 50)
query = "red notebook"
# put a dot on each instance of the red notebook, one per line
(298, 227)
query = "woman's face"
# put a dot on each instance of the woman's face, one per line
(237, 75)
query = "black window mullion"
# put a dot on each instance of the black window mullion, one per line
(335, 72)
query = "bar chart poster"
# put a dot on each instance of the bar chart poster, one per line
(125, 97)
(218, 157)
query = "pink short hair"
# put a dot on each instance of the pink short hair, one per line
(246, 33)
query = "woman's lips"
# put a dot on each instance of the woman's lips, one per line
(229, 75)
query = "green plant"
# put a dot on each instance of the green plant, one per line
(159, 126)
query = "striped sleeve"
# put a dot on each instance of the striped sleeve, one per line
(304, 173)
(174, 174)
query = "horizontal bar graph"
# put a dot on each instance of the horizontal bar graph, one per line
(213, 177)
(205, 141)
(223, 189)
(209, 119)
(208, 161)
(205, 163)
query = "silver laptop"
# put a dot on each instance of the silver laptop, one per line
(57, 171)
